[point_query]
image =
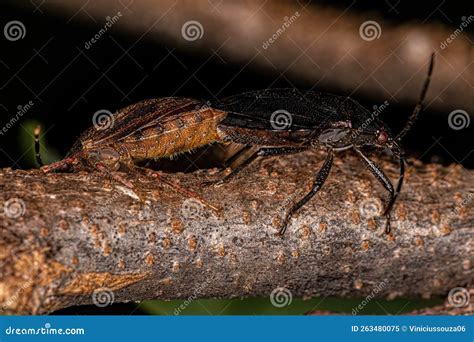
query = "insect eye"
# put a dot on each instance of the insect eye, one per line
(382, 137)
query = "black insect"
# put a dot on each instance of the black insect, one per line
(284, 121)
(267, 123)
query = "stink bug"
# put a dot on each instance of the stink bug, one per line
(163, 128)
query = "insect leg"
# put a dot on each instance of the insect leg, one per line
(321, 177)
(397, 192)
(385, 181)
(59, 165)
(178, 188)
(419, 105)
(102, 168)
(37, 133)
(261, 152)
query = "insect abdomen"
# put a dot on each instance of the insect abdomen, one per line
(186, 132)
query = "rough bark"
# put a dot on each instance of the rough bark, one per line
(321, 47)
(444, 309)
(67, 239)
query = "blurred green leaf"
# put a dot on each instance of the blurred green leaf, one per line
(263, 306)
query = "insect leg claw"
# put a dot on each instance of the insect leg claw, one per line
(387, 224)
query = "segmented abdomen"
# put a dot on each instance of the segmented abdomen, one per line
(157, 128)
(166, 138)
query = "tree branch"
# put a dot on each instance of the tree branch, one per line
(64, 237)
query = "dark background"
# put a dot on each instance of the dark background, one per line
(68, 84)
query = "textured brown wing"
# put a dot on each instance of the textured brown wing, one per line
(138, 116)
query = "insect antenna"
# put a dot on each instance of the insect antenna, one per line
(419, 105)
(37, 133)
